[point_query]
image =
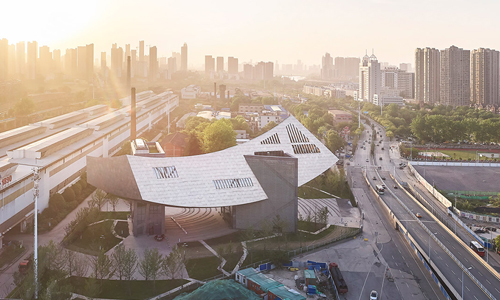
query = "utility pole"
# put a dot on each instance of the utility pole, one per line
(36, 179)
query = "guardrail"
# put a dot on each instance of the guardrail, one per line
(416, 247)
(451, 255)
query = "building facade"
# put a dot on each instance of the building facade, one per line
(455, 77)
(369, 78)
(427, 75)
(484, 71)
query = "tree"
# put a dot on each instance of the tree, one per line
(268, 127)
(92, 288)
(102, 266)
(173, 262)
(497, 241)
(24, 107)
(113, 200)
(98, 199)
(119, 259)
(69, 194)
(150, 265)
(193, 146)
(218, 135)
(129, 265)
(333, 141)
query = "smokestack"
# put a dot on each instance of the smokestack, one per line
(228, 100)
(215, 96)
(128, 73)
(133, 126)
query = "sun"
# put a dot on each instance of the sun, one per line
(47, 22)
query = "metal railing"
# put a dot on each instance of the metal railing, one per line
(458, 262)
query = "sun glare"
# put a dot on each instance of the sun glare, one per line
(47, 22)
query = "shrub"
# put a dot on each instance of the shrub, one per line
(83, 183)
(77, 188)
(69, 194)
(56, 201)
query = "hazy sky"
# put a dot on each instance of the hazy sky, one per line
(257, 30)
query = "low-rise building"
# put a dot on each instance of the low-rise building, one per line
(190, 92)
(340, 116)
(327, 91)
(250, 108)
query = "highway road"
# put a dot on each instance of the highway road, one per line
(439, 257)
(412, 280)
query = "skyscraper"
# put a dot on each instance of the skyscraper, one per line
(184, 57)
(220, 64)
(116, 61)
(209, 64)
(71, 61)
(339, 67)
(4, 59)
(484, 71)
(153, 63)
(31, 58)
(89, 69)
(104, 68)
(327, 67)
(427, 75)
(56, 60)
(133, 59)
(172, 65)
(127, 51)
(44, 60)
(351, 67)
(455, 77)
(11, 57)
(232, 65)
(141, 50)
(369, 78)
(21, 59)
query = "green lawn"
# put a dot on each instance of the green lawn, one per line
(121, 229)
(231, 260)
(309, 226)
(203, 268)
(116, 289)
(10, 253)
(96, 236)
(306, 192)
(464, 154)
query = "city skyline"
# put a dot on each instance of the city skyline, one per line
(261, 31)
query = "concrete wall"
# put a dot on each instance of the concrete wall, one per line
(148, 218)
(278, 176)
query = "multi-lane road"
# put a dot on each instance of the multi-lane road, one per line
(439, 258)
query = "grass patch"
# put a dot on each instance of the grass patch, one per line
(460, 154)
(309, 226)
(10, 253)
(121, 229)
(231, 260)
(119, 289)
(113, 215)
(307, 192)
(97, 236)
(203, 268)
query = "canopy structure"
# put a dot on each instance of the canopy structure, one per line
(222, 178)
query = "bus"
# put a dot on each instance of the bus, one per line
(477, 248)
(380, 189)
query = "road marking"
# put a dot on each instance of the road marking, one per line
(407, 285)
(467, 288)
(396, 264)
(488, 281)
(392, 256)
(459, 279)
(497, 290)
(480, 273)
(453, 247)
(466, 259)
(399, 251)
(475, 297)
(453, 272)
(447, 265)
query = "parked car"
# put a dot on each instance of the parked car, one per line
(395, 187)
(367, 160)
(374, 178)
(383, 178)
(418, 215)
(373, 295)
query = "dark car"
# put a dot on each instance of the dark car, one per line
(395, 187)
(383, 178)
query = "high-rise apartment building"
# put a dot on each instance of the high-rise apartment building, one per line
(104, 67)
(427, 75)
(153, 63)
(21, 60)
(209, 64)
(44, 60)
(133, 63)
(405, 67)
(369, 78)
(89, 69)
(327, 67)
(71, 62)
(141, 50)
(232, 65)
(11, 61)
(184, 57)
(455, 77)
(351, 67)
(4, 59)
(484, 71)
(248, 71)
(127, 51)
(406, 84)
(220, 64)
(31, 58)
(56, 60)
(116, 61)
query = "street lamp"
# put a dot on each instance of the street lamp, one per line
(463, 280)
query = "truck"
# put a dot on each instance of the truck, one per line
(338, 279)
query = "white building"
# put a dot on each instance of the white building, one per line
(190, 92)
(369, 78)
(59, 148)
(267, 117)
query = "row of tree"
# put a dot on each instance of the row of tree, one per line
(56, 263)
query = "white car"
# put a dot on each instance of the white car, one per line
(373, 295)
(367, 160)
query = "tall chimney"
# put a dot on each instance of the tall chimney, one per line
(128, 73)
(133, 126)
(228, 100)
(215, 96)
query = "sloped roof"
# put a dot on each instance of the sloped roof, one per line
(216, 179)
